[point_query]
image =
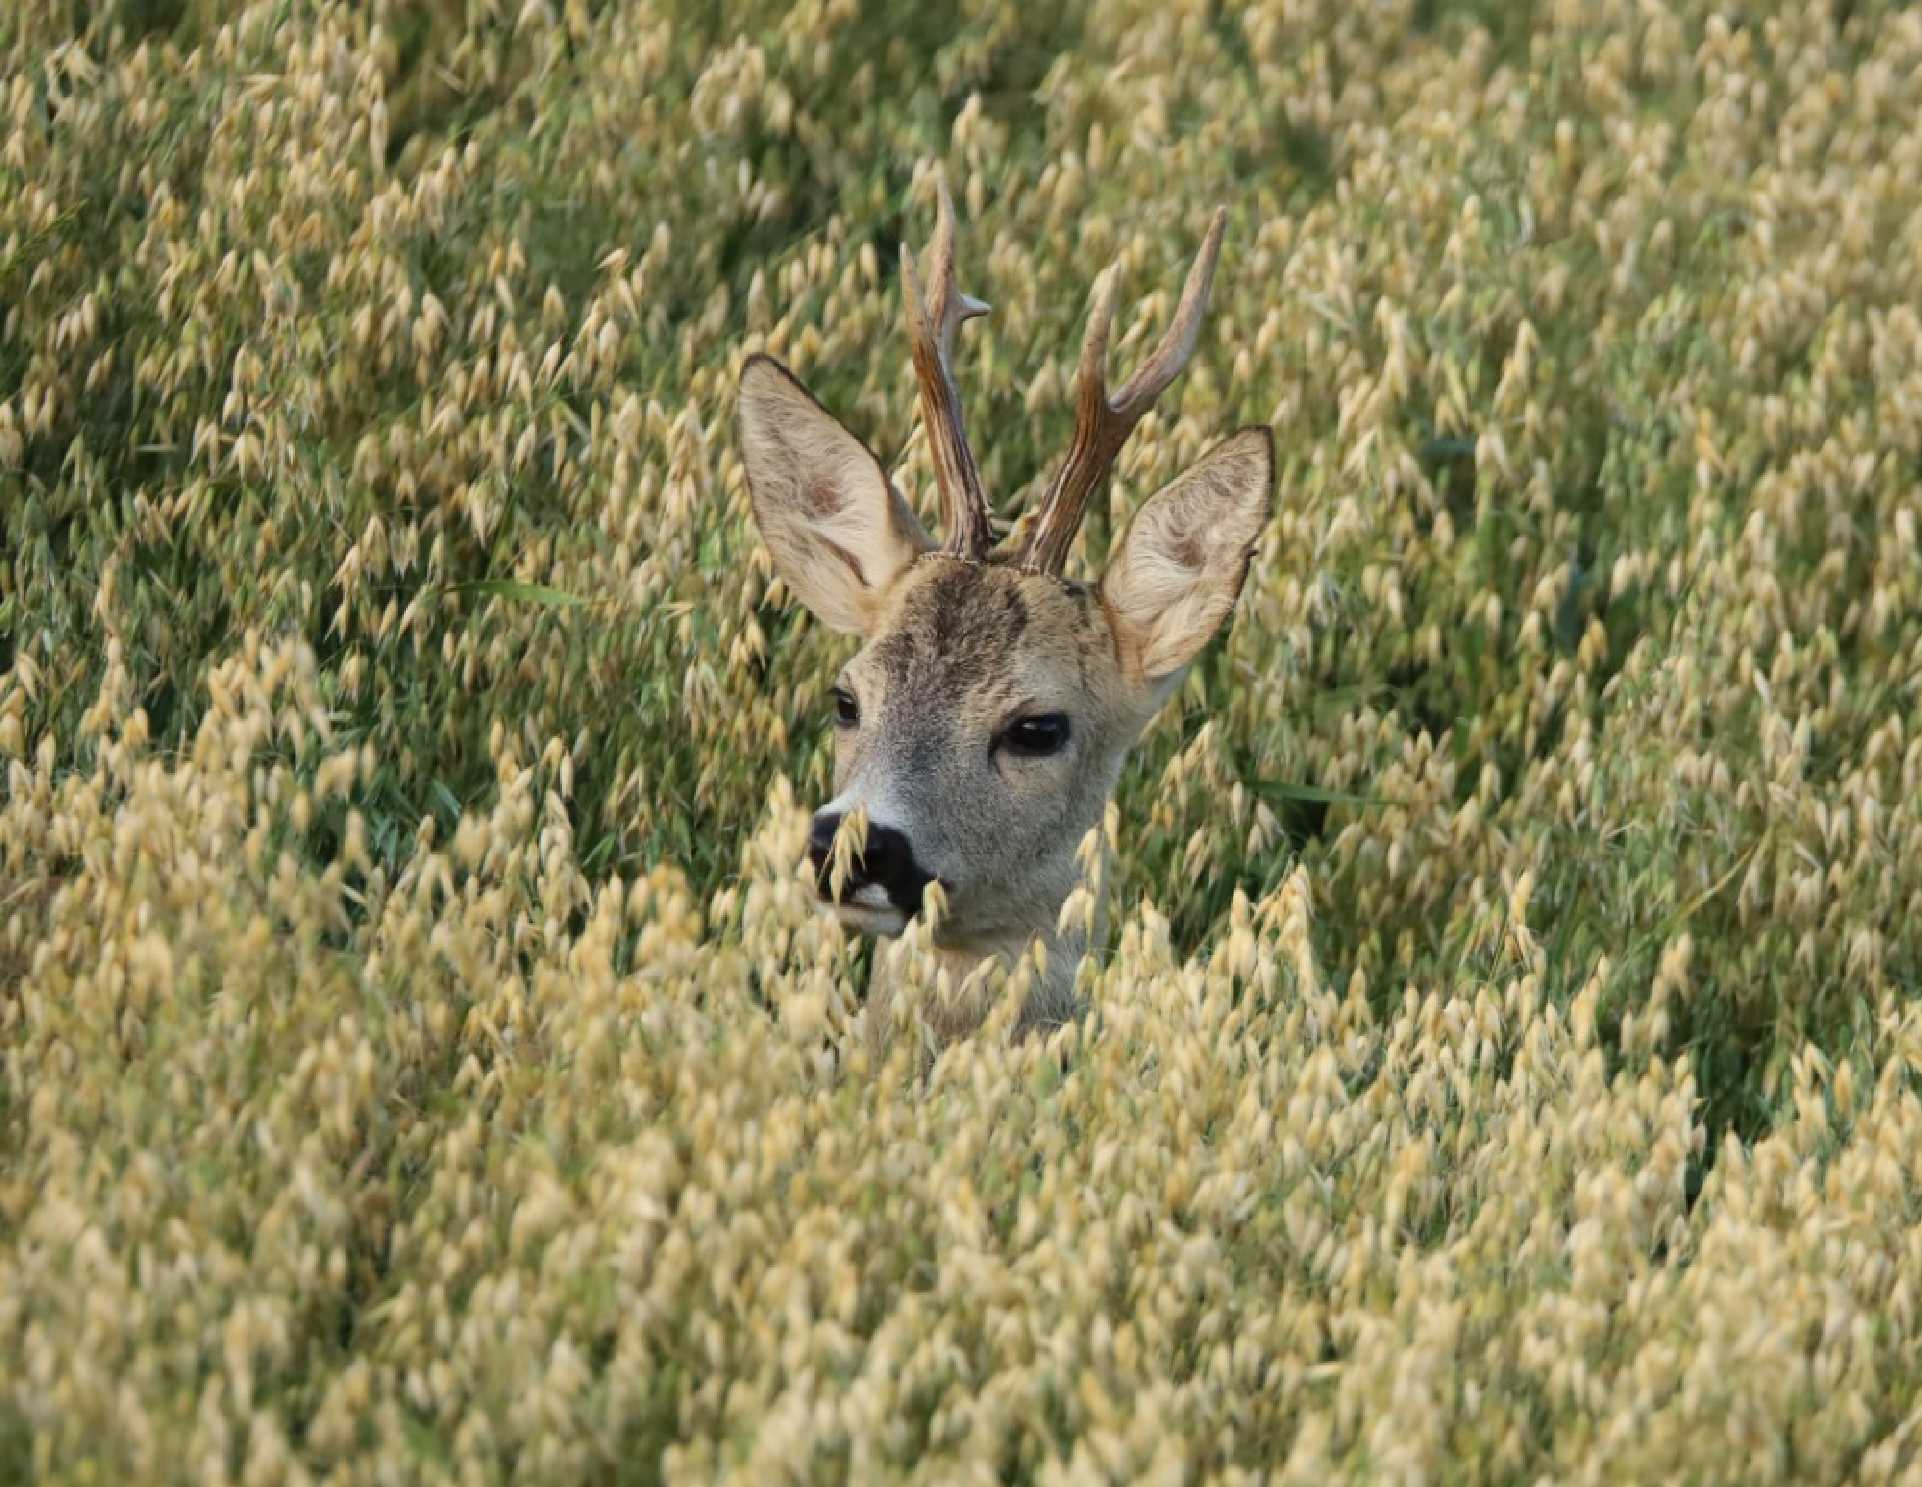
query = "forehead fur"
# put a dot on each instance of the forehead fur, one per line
(987, 628)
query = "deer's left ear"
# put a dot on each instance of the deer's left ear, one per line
(838, 531)
(1180, 566)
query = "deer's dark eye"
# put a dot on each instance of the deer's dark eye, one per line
(1037, 737)
(847, 711)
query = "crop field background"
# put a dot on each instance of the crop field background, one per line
(419, 1061)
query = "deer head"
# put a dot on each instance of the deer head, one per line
(982, 725)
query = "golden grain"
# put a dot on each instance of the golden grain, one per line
(419, 1057)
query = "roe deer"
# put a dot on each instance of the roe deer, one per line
(982, 726)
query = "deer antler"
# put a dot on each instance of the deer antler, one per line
(931, 327)
(1102, 424)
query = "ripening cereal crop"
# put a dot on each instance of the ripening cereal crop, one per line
(420, 1057)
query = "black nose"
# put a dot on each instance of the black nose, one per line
(887, 862)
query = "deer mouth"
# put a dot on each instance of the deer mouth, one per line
(873, 906)
(867, 896)
(866, 918)
(882, 878)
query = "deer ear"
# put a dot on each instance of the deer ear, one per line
(838, 531)
(1180, 565)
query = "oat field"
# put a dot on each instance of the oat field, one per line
(419, 1058)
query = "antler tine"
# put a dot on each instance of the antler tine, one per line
(931, 327)
(1102, 424)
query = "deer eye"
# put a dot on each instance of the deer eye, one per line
(1037, 737)
(847, 711)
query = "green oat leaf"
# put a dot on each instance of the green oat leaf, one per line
(526, 593)
(1311, 794)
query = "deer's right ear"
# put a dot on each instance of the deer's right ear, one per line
(838, 531)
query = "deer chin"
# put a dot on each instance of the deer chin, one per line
(887, 922)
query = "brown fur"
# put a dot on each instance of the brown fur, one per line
(959, 648)
(960, 651)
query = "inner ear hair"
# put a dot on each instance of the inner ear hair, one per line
(1181, 563)
(837, 529)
